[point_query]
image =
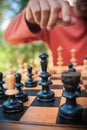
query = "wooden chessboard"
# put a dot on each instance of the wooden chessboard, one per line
(41, 115)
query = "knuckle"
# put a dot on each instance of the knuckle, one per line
(55, 9)
(37, 12)
(52, 24)
(45, 11)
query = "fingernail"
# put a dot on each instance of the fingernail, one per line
(48, 28)
(67, 18)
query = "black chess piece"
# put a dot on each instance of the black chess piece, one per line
(2, 89)
(70, 109)
(30, 82)
(21, 95)
(45, 94)
(72, 69)
(11, 105)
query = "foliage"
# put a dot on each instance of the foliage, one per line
(8, 53)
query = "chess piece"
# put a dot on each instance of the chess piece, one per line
(11, 69)
(73, 57)
(20, 62)
(60, 60)
(12, 105)
(32, 64)
(84, 68)
(30, 82)
(2, 89)
(21, 95)
(71, 69)
(45, 95)
(70, 109)
(25, 72)
(25, 68)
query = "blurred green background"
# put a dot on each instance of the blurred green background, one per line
(8, 53)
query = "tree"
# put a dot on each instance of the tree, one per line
(9, 53)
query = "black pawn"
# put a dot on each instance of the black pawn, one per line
(45, 95)
(21, 95)
(70, 109)
(2, 89)
(71, 69)
(30, 82)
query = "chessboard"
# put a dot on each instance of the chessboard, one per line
(45, 115)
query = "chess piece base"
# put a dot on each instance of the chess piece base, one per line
(45, 96)
(30, 83)
(11, 106)
(2, 94)
(23, 96)
(70, 112)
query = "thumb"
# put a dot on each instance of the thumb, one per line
(61, 22)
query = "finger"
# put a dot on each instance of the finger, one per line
(69, 23)
(36, 11)
(45, 12)
(55, 8)
(66, 13)
(29, 16)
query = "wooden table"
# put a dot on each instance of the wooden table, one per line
(29, 126)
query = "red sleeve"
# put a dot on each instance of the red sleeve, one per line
(18, 32)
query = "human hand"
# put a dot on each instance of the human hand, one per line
(46, 13)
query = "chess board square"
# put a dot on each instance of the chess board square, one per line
(56, 86)
(56, 82)
(12, 117)
(85, 86)
(82, 87)
(30, 100)
(85, 116)
(40, 115)
(83, 93)
(54, 103)
(38, 87)
(54, 77)
(82, 101)
(32, 92)
(85, 81)
(58, 92)
(63, 100)
(84, 78)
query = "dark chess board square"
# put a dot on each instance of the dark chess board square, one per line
(54, 103)
(84, 116)
(83, 93)
(32, 92)
(55, 78)
(85, 86)
(81, 121)
(84, 78)
(12, 117)
(56, 86)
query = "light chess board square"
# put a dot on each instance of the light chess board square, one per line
(41, 114)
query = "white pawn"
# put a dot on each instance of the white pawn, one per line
(25, 72)
(84, 68)
(73, 57)
(60, 60)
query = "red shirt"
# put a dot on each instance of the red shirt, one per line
(72, 37)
